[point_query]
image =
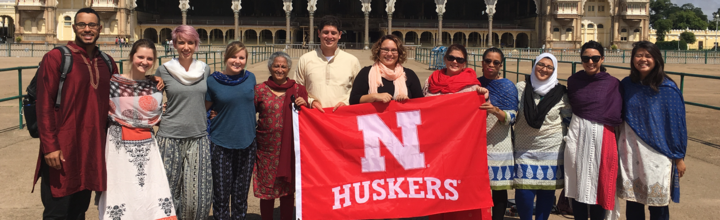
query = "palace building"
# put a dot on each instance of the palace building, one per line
(474, 23)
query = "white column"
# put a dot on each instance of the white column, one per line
(390, 8)
(184, 6)
(440, 9)
(491, 12)
(311, 8)
(366, 10)
(287, 6)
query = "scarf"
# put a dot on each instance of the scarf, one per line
(596, 98)
(535, 113)
(543, 87)
(658, 118)
(439, 82)
(397, 76)
(226, 80)
(194, 74)
(503, 93)
(286, 168)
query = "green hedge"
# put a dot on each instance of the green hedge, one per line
(671, 45)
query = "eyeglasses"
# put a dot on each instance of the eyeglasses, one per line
(385, 50)
(586, 59)
(543, 66)
(83, 25)
(494, 62)
(452, 58)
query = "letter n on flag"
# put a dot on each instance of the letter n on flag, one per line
(397, 160)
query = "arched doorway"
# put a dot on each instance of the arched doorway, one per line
(203, 36)
(398, 34)
(411, 38)
(7, 28)
(459, 38)
(280, 36)
(230, 35)
(523, 40)
(216, 37)
(507, 40)
(446, 39)
(266, 37)
(165, 34)
(426, 38)
(151, 34)
(474, 39)
(250, 36)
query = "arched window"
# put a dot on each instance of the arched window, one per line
(556, 30)
(623, 30)
(591, 26)
(568, 30)
(601, 26)
(636, 30)
(67, 20)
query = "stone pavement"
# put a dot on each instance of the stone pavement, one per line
(700, 196)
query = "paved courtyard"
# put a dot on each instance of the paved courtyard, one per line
(700, 196)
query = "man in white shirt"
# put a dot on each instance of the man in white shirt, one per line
(328, 72)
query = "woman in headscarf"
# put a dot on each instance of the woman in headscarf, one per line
(386, 79)
(182, 135)
(653, 139)
(501, 109)
(275, 167)
(232, 133)
(543, 116)
(456, 78)
(591, 149)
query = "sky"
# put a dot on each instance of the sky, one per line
(708, 6)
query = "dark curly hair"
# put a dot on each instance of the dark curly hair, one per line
(329, 20)
(402, 54)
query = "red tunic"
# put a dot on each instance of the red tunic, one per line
(78, 127)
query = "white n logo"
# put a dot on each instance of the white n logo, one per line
(375, 130)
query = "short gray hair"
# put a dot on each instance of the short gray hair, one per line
(271, 60)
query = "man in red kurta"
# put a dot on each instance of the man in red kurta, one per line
(72, 136)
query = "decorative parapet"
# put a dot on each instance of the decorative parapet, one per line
(30, 2)
(104, 3)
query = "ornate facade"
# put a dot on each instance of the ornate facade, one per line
(507, 23)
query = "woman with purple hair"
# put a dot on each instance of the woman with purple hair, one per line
(182, 135)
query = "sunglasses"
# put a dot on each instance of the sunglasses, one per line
(586, 59)
(452, 58)
(496, 62)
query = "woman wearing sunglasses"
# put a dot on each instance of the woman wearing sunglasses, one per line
(591, 150)
(501, 109)
(651, 154)
(387, 79)
(544, 113)
(455, 78)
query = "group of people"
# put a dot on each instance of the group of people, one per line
(122, 41)
(102, 138)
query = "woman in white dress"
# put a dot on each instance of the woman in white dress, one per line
(653, 138)
(137, 187)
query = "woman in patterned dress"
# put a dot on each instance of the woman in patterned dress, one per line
(456, 78)
(274, 168)
(651, 154)
(543, 116)
(501, 109)
(137, 187)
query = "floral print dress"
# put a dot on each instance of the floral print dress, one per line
(269, 136)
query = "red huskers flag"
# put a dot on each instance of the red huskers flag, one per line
(395, 160)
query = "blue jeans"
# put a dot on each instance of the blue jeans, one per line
(635, 210)
(524, 199)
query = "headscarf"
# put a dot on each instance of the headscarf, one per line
(378, 71)
(543, 87)
(287, 151)
(503, 93)
(596, 97)
(439, 82)
(193, 75)
(550, 89)
(658, 118)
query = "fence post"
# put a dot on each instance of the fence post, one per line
(32, 49)
(706, 56)
(20, 103)
(214, 61)
(504, 68)
(665, 56)
(9, 50)
(686, 57)
(623, 56)
(573, 68)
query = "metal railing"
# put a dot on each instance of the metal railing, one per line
(212, 58)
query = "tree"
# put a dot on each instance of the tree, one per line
(688, 37)
(687, 19)
(662, 27)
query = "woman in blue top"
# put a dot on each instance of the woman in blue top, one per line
(231, 94)
(653, 137)
(501, 109)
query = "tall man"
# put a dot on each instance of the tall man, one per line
(328, 72)
(72, 135)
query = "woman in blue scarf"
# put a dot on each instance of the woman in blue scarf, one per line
(653, 138)
(231, 93)
(501, 109)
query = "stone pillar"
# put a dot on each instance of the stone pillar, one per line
(367, 29)
(184, 6)
(440, 9)
(287, 6)
(235, 6)
(389, 8)
(490, 4)
(311, 8)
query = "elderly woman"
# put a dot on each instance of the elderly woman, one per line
(543, 116)
(181, 136)
(386, 79)
(232, 133)
(501, 109)
(651, 154)
(591, 150)
(274, 167)
(455, 78)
